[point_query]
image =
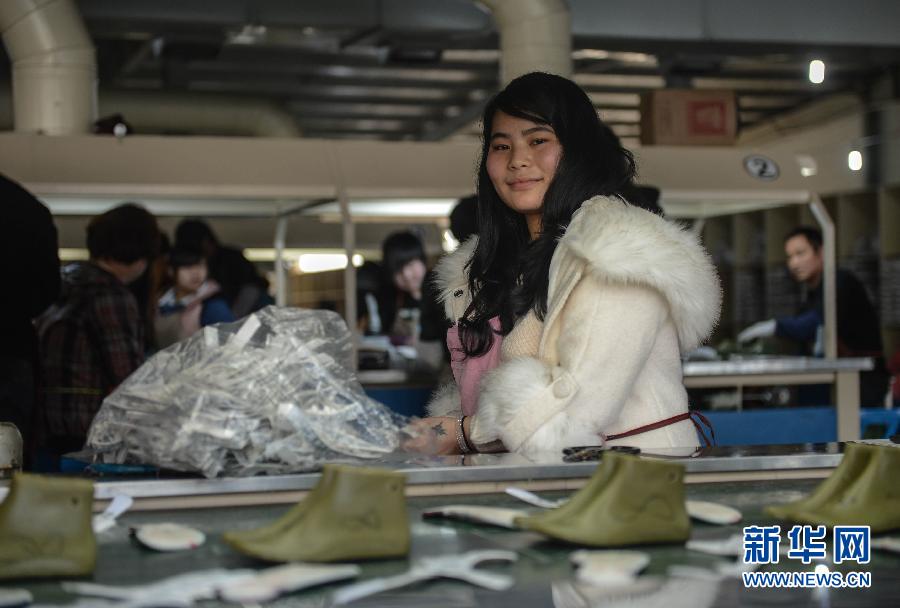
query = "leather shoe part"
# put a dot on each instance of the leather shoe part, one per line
(628, 501)
(352, 513)
(45, 528)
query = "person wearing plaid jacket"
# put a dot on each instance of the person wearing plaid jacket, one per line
(91, 338)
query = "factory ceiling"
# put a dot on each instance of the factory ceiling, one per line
(422, 69)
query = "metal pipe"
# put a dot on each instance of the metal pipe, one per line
(54, 69)
(280, 271)
(200, 114)
(829, 276)
(349, 233)
(151, 112)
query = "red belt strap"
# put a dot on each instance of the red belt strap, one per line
(692, 416)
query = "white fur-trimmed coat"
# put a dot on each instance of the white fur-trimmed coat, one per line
(628, 293)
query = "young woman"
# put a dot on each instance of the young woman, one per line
(403, 259)
(571, 305)
(410, 312)
(192, 302)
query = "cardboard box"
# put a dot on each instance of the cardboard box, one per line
(688, 117)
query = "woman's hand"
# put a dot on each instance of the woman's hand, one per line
(435, 435)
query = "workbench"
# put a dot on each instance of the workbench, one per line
(744, 478)
(843, 374)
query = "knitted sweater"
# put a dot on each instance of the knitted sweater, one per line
(524, 340)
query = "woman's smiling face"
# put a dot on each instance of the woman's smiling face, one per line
(521, 162)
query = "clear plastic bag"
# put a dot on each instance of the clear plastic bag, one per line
(272, 393)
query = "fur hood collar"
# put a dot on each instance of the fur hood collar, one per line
(451, 278)
(623, 244)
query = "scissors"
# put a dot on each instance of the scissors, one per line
(460, 567)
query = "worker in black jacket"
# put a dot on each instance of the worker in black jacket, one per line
(858, 329)
(30, 271)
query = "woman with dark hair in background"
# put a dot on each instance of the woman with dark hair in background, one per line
(243, 288)
(584, 301)
(191, 302)
(404, 265)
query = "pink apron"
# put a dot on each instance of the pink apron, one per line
(469, 370)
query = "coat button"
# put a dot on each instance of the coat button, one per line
(458, 293)
(562, 388)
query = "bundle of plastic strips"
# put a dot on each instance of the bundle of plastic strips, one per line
(272, 393)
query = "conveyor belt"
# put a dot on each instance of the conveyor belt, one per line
(540, 565)
(483, 473)
(477, 474)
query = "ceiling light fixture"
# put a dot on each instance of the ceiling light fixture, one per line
(595, 54)
(817, 71)
(808, 165)
(309, 263)
(855, 160)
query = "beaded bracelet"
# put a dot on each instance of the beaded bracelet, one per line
(461, 436)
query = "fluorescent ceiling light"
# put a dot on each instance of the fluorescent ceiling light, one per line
(70, 254)
(808, 165)
(428, 209)
(266, 254)
(307, 260)
(432, 208)
(817, 71)
(323, 262)
(160, 207)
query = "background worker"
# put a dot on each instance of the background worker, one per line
(91, 337)
(30, 262)
(858, 329)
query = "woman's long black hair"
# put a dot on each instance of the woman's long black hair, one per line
(509, 273)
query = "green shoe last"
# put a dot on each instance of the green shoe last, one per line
(630, 501)
(873, 499)
(45, 528)
(352, 513)
(855, 460)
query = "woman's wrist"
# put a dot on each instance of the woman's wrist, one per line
(465, 446)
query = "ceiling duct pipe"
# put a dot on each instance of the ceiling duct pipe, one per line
(199, 114)
(153, 112)
(535, 35)
(54, 69)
